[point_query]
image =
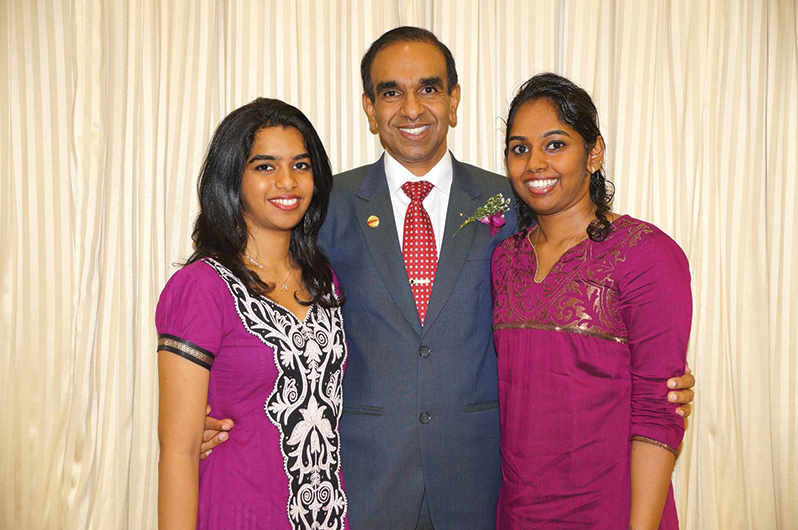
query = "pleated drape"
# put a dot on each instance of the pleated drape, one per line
(106, 108)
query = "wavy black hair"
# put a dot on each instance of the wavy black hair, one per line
(576, 109)
(405, 34)
(220, 231)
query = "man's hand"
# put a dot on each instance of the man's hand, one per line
(216, 432)
(682, 392)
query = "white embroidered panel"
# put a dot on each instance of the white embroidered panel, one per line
(306, 401)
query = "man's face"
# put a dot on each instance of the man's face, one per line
(413, 108)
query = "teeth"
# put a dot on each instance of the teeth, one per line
(415, 131)
(540, 184)
(286, 202)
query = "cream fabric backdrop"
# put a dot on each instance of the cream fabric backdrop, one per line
(107, 107)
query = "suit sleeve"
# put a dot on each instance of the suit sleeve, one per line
(656, 304)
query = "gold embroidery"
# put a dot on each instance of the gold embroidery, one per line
(170, 344)
(566, 328)
(636, 233)
(654, 442)
(578, 295)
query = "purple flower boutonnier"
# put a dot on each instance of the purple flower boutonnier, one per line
(495, 222)
(490, 214)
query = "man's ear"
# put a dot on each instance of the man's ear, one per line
(454, 102)
(595, 157)
(368, 108)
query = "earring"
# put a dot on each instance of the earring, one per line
(306, 224)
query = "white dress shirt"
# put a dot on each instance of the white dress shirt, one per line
(436, 203)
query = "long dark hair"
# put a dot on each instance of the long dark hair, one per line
(220, 231)
(576, 109)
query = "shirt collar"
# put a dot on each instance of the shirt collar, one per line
(440, 176)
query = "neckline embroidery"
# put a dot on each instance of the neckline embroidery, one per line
(570, 250)
(306, 402)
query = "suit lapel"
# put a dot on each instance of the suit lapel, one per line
(383, 242)
(464, 197)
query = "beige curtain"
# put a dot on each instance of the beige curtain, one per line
(105, 111)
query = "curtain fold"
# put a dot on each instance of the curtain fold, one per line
(106, 109)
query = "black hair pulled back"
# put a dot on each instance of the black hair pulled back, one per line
(575, 108)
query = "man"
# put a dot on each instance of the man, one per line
(420, 430)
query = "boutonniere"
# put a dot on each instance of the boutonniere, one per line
(491, 214)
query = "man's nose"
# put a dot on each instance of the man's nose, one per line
(412, 106)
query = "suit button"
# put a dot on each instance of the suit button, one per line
(424, 417)
(424, 352)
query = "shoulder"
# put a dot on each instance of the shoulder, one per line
(194, 283)
(505, 258)
(513, 243)
(635, 232)
(487, 180)
(195, 313)
(194, 297)
(198, 274)
(647, 247)
(349, 181)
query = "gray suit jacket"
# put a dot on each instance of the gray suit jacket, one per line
(420, 403)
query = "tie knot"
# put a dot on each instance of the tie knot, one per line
(418, 190)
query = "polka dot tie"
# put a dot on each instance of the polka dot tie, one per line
(418, 246)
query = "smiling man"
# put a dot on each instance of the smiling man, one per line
(420, 429)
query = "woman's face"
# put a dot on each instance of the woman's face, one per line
(277, 185)
(547, 162)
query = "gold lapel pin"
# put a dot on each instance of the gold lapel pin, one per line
(373, 221)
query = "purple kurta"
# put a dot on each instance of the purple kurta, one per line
(279, 380)
(583, 360)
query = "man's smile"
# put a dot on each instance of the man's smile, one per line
(415, 131)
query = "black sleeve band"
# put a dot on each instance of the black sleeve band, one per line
(185, 349)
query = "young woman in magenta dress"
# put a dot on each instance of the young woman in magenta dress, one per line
(586, 301)
(252, 327)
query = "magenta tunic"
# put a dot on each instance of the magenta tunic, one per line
(584, 356)
(279, 380)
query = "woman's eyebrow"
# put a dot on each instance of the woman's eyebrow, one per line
(261, 157)
(553, 132)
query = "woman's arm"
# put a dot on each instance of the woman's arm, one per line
(657, 308)
(183, 387)
(651, 477)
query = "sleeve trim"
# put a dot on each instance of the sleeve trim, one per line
(185, 349)
(650, 441)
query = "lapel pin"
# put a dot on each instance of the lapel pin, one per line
(373, 221)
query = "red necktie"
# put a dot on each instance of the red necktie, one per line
(418, 246)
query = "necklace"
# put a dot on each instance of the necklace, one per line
(283, 286)
(535, 250)
(537, 236)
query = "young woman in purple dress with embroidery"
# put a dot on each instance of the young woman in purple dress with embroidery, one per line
(251, 325)
(586, 302)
